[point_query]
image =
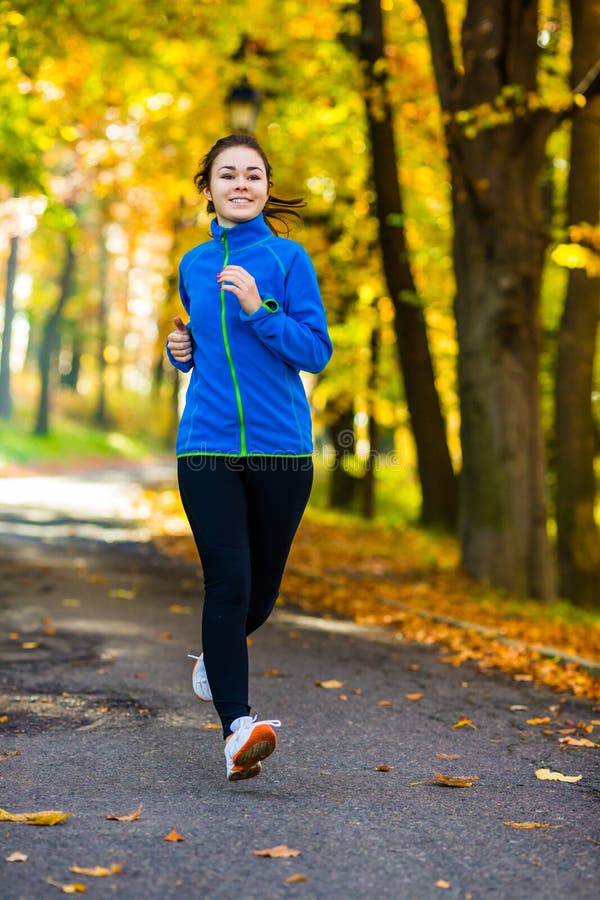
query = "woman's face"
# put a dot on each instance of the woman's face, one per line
(238, 185)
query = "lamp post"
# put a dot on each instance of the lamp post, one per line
(243, 103)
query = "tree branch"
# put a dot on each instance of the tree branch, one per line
(446, 76)
(589, 85)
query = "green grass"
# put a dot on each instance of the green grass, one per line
(68, 442)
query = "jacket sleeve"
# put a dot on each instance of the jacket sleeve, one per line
(298, 335)
(183, 366)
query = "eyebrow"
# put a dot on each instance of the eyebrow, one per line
(248, 168)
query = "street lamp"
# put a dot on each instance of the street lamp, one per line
(244, 104)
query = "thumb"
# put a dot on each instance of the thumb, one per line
(179, 324)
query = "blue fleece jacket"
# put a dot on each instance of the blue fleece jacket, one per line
(245, 395)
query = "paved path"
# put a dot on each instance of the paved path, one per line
(102, 717)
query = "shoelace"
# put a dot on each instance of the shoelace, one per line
(191, 656)
(274, 723)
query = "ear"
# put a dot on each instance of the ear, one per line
(207, 194)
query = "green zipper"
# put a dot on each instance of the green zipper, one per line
(236, 386)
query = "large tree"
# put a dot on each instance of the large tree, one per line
(438, 482)
(496, 128)
(578, 538)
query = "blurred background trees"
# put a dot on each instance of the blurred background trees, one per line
(449, 155)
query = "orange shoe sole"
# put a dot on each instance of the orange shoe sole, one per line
(259, 745)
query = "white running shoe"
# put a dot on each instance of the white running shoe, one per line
(200, 684)
(251, 742)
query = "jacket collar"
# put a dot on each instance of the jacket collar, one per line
(244, 234)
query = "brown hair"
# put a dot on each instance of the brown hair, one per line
(276, 210)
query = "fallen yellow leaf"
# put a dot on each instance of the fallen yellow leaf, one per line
(122, 594)
(130, 817)
(165, 636)
(46, 817)
(211, 725)
(544, 721)
(179, 610)
(16, 856)
(173, 836)
(415, 696)
(528, 824)
(3, 719)
(446, 756)
(97, 871)
(464, 721)
(464, 781)
(383, 768)
(281, 851)
(332, 683)
(547, 775)
(384, 703)
(75, 888)
(443, 884)
(30, 645)
(5, 754)
(271, 673)
(293, 879)
(577, 742)
(71, 603)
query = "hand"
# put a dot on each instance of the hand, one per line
(179, 342)
(242, 284)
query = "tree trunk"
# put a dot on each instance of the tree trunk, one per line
(578, 538)
(49, 338)
(496, 146)
(101, 415)
(438, 482)
(9, 310)
(343, 487)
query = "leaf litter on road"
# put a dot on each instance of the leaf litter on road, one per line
(547, 775)
(281, 851)
(45, 817)
(97, 871)
(129, 817)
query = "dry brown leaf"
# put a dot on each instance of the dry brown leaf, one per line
(130, 817)
(544, 721)
(329, 685)
(97, 871)
(5, 754)
(271, 673)
(16, 856)
(211, 725)
(415, 696)
(3, 719)
(547, 775)
(281, 851)
(384, 703)
(383, 768)
(342, 696)
(523, 677)
(577, 742)
(165, 636)
(46, 817)
(71, 603)
(74, 888)
(518, 707)
(180, 610)
(13, 635)
(566, 730)
(446, 756)
(293, 879)
(443, 884)
(461, 781)
(464, 721)
(122, 594)
(528, 824)
(173, 836)
(49, 631)
(413, 667)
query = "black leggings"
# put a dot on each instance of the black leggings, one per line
(243, 514)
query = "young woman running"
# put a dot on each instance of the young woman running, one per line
(244, 444)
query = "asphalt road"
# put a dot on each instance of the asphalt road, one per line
(101, 718)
